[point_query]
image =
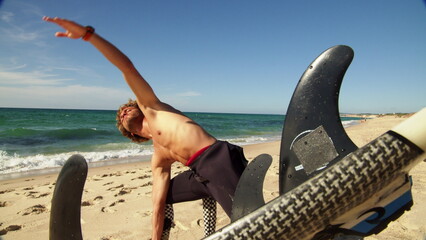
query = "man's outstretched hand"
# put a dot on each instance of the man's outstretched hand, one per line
(73, 30)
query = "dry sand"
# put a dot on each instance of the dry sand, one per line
(117, 199)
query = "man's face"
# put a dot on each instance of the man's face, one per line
(131, 118)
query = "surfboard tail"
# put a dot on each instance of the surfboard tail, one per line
(414, 130)
(316, 204)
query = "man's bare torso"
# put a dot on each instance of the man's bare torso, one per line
(175, 136)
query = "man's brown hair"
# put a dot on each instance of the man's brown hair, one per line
(135, 138)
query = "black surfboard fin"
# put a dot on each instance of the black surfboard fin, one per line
(313, 136)
(66, 201)
(249, 193)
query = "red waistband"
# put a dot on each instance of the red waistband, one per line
(197, 154)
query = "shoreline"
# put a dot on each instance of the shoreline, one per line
(56, 170)
(121, 193)
(142, 159)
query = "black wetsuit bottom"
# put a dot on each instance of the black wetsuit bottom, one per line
(215, 173)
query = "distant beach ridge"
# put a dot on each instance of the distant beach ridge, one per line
(33, 139)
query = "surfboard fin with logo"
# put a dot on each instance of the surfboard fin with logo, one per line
(313, 135)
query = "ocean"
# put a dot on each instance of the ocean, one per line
(33, 139)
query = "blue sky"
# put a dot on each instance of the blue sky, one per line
(214, 56)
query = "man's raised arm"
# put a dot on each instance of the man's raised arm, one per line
(143, 91)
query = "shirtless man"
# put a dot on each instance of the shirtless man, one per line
(216, 166)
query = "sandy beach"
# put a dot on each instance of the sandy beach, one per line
(116, 201)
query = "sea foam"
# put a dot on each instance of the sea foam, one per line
(16, 163)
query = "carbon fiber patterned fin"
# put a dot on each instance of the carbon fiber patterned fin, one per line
(314, 105)
(249, 193)
(66, 200)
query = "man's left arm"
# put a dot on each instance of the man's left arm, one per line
(144, 93)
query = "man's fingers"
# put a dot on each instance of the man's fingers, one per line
(49, 19)
(67, 34)
(73, 30)
(59, 21)
(61, 34)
